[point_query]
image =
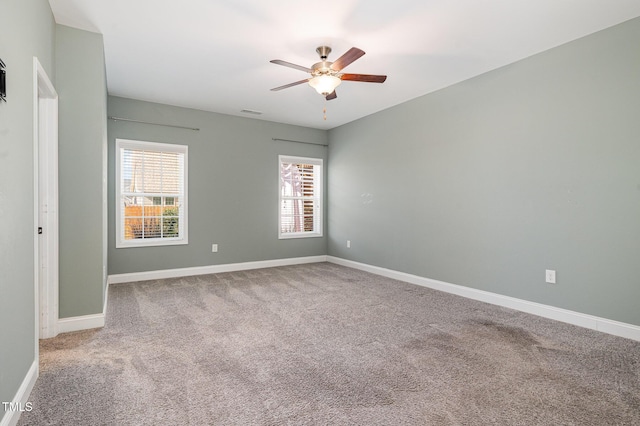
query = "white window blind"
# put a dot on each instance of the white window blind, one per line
(151, 193)
(300, 197)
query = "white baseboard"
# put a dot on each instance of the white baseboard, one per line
(212, 269)
(604, 325)
(22, 396)
(84, 322)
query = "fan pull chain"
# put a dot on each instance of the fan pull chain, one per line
(324, 110)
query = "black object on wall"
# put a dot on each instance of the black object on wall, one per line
(3, 82)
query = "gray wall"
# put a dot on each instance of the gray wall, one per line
(27, 30)
(81, 86)
(489, 182)
(233, 186)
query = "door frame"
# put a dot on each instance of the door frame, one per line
(45, 166)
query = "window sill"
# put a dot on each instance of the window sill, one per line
(167, 242)
(291, 235)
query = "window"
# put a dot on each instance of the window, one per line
(300, 197)
(151, 194)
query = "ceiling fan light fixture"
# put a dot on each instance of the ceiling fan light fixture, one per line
(325, 84)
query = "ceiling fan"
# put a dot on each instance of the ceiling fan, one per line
(326, 76)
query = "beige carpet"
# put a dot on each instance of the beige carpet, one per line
(321, 344)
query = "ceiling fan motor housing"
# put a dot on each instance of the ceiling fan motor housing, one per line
(322, 68)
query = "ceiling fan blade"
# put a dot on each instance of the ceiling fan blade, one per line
(344, 60)
(331, 95)
(368, 78)
(275, 89)
(290, 65)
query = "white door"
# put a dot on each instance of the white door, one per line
(46, 202)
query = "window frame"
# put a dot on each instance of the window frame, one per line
(318, 199)
(183, 237)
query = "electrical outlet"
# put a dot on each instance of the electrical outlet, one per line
(214, 248)
(550, 276)
(348, 243)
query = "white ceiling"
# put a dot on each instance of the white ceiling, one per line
(214, 55)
